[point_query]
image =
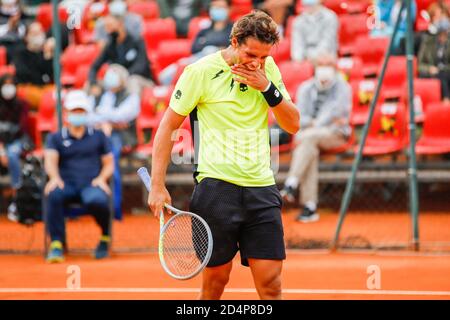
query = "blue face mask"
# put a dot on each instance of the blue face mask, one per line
(77, 119)
(111, 80)
(307, 3)
(218, 14)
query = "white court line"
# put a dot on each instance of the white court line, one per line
(237, 290)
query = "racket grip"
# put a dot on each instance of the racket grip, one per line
(145, 177)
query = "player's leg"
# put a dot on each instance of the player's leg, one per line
(214, 280)
(261, 240)
(219, 203)
(267, 278)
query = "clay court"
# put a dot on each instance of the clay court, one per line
(307, 274)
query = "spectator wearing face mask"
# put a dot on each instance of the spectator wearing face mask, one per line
(325, 103)
(434, 57)
(182, 11)
(125, 50)
(13, 128)
(116, 114)
(218, 33)
(78, 163)
(315, 30)
(12, 24)
(34, 64)
(117, 8)
(207, 41)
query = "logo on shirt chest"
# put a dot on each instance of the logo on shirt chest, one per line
(67, 143)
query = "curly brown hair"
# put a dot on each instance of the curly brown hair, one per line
(258, 25)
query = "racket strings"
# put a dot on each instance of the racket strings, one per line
(185, 244)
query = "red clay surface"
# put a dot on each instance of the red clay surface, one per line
(308, 272)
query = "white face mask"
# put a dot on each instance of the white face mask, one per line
(111, 80)
(35, 43)
(8, 91)
(325, 77)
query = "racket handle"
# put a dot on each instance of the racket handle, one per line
(145, 177)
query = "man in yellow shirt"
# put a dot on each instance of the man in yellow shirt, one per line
(228, 95)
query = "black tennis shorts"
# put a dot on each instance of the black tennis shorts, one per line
(247, 219)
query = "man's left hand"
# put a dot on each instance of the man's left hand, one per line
(102, 184)
(254, 78)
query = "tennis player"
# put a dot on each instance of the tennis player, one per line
(228, 95)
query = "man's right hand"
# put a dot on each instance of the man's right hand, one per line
(52, 184)
(157, 197)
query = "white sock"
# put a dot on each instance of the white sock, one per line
(291, 182)
(311, 205)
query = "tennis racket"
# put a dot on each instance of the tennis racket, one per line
(185, 241)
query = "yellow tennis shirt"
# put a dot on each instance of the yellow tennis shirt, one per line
(233, 142)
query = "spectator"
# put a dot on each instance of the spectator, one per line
(12, 24)
(314, 31)
(117, 8)
(207, 41)
(182, 11)
(325, 103)
(388, 12)
(78, 162)
(34, 65)
(434, 57)
(117, 113)
(125, 50)
(279, 10)
(13, 128)
(218, 34)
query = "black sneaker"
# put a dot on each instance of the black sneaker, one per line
(288, 194)
(102, 250)
(308, 215)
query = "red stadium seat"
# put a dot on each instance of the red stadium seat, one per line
(387, 132)
(46, 117)
(240, 8)
(435, 138)
(170, 51)
(351, 67)
(73, 57)
(158, 30)
(44, 15)
(148, 10)
(362, 93)
(3, 56)
(196, 24)
(294, 73)
(428, 91)
(350, 28)
(282, 51)
(395, 76)
(371, 51)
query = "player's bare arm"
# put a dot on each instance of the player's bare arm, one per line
(162, 149)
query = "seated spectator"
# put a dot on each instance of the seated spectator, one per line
(207, 41)
(12, 24)
(116, 114)
(325, 103)
(388, 11)
(78, 162)
(434, 57)
(279, 10)
(182, 11)
(133, 22)
(218, 34)
(125, 50)
(314, 31)
(13, 130)
(34, 65)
